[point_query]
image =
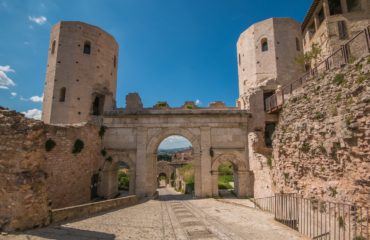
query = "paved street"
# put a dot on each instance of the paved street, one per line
(173, 216)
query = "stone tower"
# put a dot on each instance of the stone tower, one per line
(81, 73)
(266, 53)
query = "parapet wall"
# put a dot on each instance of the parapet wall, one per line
(322, 142)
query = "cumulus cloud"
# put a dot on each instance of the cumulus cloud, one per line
(13, 94)
(5, 81)
(38, 20)
(33, 113)
(198, 102)
(37, 98)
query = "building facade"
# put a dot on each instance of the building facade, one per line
(81, 73)
(331, 23)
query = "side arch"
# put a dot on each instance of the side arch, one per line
(240, 173)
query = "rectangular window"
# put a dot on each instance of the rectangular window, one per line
(265, 96)
(335, 7)
(321, 16)
(269, 131)
(354, 5)
(342, 30)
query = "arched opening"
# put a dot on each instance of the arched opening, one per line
(87, 47)
(175, 166)
(123, 178)
(53, 47)
(98, 105)
(62, 94)
(162, 180)
(264, 45)
(229, 177)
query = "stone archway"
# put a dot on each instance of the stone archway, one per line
(164, 167)
(240, 174)
(159, 136)
(109, 175)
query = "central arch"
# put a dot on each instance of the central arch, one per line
(164, 133)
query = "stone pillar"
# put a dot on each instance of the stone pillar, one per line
(205, 162)
(142, 165)
(132, 182)
(215, 184)
(241, 184)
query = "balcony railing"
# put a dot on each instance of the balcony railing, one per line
(347, 53)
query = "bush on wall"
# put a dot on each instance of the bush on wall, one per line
(78, 146)
(49, 144)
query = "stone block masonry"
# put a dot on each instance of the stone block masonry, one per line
(322, 142)
(34, 180)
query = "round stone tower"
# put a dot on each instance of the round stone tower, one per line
(81, 73)
(266, 53)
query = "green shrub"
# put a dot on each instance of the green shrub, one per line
(339, 79)
(361, 78)
(78, 146)
(102, 131)
(189, 106)
(269, 161)
(49, 144)
(123, 181)
(306, 147)
(187, 172)
(332, 191)
(161, 104)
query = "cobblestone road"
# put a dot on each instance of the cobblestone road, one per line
(174, 216)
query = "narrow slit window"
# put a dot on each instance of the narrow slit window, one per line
(62, 94)
(264, 45)
(342, 30)
(354, 5)
(53, 47)
(114, 61)
(240, 60)
(335, 7)
(297, 44)
(87, 47)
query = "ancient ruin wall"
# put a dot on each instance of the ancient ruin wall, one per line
(23, 178)
(322, 142)
(70, 174)
(34, 180)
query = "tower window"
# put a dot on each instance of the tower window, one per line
(62, 94)
(321, 16)
(98, 105)
(335, 7)
(354, 5)
(87, 47)
(342, 30)
(297, 44)
(240, 60)
(114, 61)
(53, 47)
(269, 131)
(264, 45)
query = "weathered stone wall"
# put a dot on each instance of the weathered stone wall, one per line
(23, 179)
(322, 142)
(33, 180)
(70, 174)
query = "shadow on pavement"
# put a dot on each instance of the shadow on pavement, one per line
(65, 233)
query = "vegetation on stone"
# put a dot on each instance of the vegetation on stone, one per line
(78, 146)
(49, 144)
(123, 181)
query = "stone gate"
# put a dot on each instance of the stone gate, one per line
(217, 134)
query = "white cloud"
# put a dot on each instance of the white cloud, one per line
(37, 98)
(198, 102)
(23, 99)
(38, 20)
(174, 142)
(5, 81)
(33, 113)
(13, 94)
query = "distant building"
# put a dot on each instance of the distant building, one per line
(331, 23)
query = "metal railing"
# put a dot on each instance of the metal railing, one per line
(318, 219)
(347, 53)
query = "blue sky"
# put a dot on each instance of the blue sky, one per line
(170, 50)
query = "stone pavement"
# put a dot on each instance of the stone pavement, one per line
(173, 216)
